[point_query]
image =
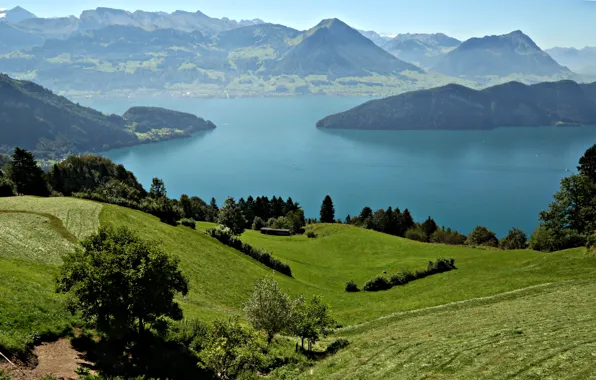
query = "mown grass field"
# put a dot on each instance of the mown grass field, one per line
(37, 232)
(546, 332)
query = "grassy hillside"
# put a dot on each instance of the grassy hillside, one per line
(542, 333)
(37, 231)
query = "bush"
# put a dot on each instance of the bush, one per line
(226, 236)
(406, 276)
(482, 236)
(283, 223)
(337, 345)
(6, 187)
(515, 239)
(352, 287)
(311, 235)
(447, 237)
(258, 223)
(546, 240)
(416, 234)
(271, 222)
(591, 244)
(190, 223)
(376, 284)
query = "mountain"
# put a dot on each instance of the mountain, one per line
(375, 37)
(581, 61)
(513, 53)
(12, 39)
(334, 49)
(456, 107)
(16, 14)
(48, 28)
(34, 118)
(424, 50)
(179, 20)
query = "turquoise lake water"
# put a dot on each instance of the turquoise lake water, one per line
(270, 146)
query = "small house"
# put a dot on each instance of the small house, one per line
(275, 231)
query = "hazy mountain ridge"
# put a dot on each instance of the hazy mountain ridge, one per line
(334, 49)
(513, 53)
(16, 14)
(581, 61)
(424, 50)
(455, 107)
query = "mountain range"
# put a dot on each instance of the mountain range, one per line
(34, 118)
(455, 107)
(119, 53)
(581, 61)
(424, 50)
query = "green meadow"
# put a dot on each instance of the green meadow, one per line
(501, 314)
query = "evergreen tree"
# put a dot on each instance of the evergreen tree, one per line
(406, 222)
(587, 163)
(26, 175)
(327, 211)
(213, 211)
(158, 189)
(429, 226)
(392, 225)
(348, 219)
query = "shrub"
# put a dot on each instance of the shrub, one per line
(482, 236)
(406, 276)
(283, 223)
(6, 187)
(190, 223)
(271, 222)
(546, 240)
(227, 237)
(258, 223)
(591, 244)
(447, 237)
(515, 239)
(416, 234)
(311, 235)
(376, 284)
(352, 287)
(337, 345)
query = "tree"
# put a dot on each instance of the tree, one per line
(379, 220)
(258, 223)
(231, 349)
(406, 222)
(482, 236)
(327, 211)
(429, 226)
(213, 211)
(231, 216)
(26, 175)
(122, 283)
(269, 308)
(186, 205)
(515, 239)
(574, 207)
(297, 220)
(158, 189)
(311, 319)
(587, 163)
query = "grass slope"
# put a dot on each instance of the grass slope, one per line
(222, 278)
(341, 253)
(542, 333)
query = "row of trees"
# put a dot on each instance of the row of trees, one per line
(125, 288)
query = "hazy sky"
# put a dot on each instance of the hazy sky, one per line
(549, 22)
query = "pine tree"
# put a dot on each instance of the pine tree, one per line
(158, 189)
(27, 176)
(429, 226)
(327, 211)
(406, 222)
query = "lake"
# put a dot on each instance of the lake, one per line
(270, 146)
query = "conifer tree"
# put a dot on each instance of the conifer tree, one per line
(327, 211)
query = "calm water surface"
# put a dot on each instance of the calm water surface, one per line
(499, 178)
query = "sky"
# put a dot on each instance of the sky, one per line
(569, 23)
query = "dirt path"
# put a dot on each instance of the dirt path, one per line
(57, 359)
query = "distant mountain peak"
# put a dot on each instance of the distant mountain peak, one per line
(16, 14)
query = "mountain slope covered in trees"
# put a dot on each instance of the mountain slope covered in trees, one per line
(34, 118)
(457, 107)
(504, 55)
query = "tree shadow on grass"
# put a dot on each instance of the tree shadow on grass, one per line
(152, 357)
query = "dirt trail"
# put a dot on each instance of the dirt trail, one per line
(57, 359)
